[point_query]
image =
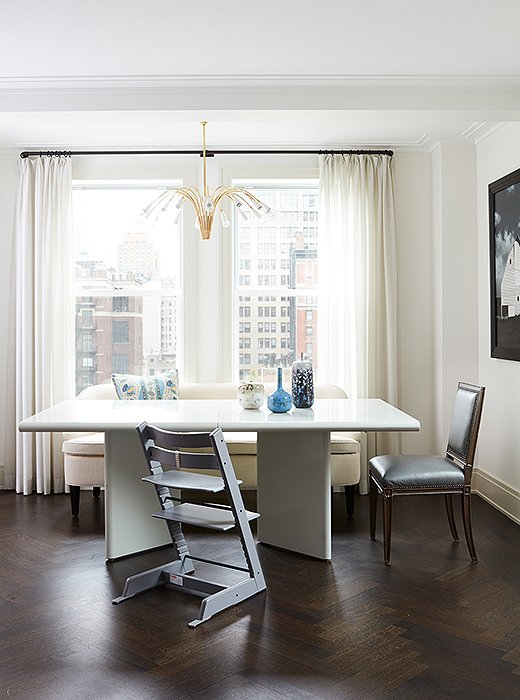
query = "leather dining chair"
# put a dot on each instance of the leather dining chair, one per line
(396, 475)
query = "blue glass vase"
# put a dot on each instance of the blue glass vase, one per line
(279, 401)
(302, 385)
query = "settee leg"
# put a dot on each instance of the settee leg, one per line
(350, 492)
(96, 490)
(74, 500)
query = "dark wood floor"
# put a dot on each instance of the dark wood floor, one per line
(432, 625)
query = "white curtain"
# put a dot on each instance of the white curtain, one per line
(44, 313)
(358, 281)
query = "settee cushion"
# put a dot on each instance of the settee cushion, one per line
(344, 443)
(241, 443)
(238, 444)
(87, 445)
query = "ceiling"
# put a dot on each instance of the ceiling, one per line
(336, 73)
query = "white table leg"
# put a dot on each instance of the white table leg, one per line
(294, 491)
(129, 502)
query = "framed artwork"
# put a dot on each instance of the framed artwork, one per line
(504, 257)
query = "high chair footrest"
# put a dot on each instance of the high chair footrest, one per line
(203, 516)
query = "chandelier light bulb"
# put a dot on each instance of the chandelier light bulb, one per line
(167, 202)
(226, 223)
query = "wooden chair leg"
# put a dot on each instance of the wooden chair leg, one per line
(96, 490)
(74, 500)
(350, 492)
(387, 524)
(466, 517)
(373, 508)
(448, 497)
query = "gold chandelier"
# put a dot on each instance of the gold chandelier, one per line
(206, 205)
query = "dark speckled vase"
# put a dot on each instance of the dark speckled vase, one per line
(302, 385)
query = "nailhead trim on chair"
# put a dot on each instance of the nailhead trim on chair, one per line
(464, 457)
(417, 488)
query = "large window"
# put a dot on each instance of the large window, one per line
(279, 292)
(128, 282)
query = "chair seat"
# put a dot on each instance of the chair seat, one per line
(416, 472)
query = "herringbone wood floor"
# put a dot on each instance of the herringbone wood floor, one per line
(432, 625)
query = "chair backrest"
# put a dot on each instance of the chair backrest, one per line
(166, 447)
(465, 424)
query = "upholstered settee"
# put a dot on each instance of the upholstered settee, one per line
(83, 454)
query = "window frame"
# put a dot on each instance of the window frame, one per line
(92, 180)
(277, 177)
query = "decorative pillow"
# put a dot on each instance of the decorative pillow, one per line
(157, 386)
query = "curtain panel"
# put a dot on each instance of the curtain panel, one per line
(358, 281)
(44, 313)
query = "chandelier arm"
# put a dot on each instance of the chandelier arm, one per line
(150, 208)
(193, 196)
(243, 196)
(193, 190)
(224, 193)
(247, 194)
(221, 188)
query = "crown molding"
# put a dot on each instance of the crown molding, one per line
(184, 92)
(442, 82)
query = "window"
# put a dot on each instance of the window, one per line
(128, 282)
(281, 304)
(120, 332)
(120, 304)
(120, 363)
(87, 318)
(87, 341)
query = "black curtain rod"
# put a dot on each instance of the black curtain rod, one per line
(209, 154)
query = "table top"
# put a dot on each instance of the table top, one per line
(205, 415)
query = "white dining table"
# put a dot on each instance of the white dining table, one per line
(293, 461)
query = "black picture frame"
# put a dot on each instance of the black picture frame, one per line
(504, 259)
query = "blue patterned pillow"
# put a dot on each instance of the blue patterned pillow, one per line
(157, 386)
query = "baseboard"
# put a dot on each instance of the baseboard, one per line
(503, 497)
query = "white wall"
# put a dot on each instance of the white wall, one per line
(413, 190)
(499, 453)
(455, 278)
